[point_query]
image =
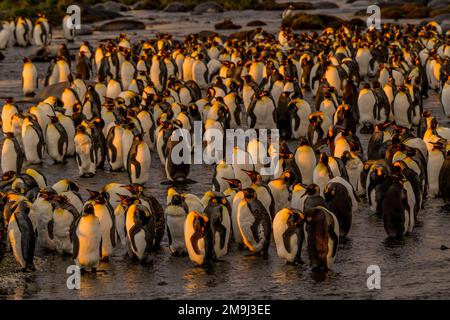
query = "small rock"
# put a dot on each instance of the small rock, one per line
(121, 25)
(325, 5)
(209, 7)
(227, 25)
(176, 7)
(443, 247)
(438, 4)
(84, 30)
(162, 283)
(256, 23)
(111, 6)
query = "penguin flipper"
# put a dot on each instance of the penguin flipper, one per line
(74, 238)
(133, 231)
(287, 238)
(50, 229)
(335, 239)
(28, 240)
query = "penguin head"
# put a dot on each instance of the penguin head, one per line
(53, 119)
(47, 193)
(249, 193)
(289, 177)
(346, 156)
(296, 217)
(95, 195)
(324, 158)
(88, 209)
(220, 199)
(60, 201)
(233, 183)
(135, 188)
(9, 176)
(439, 145)
(253, 175)
(312, 190)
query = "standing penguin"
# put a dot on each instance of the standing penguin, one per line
(64, 214)
(218, 211)
(140, 228)
(29, 78)
(8, 111)
(445, 97)
(175, 214)
(85, 153)
(68, 28)
(254, 223)
(114, 146)
(305, 158)
(57, 140)
(339, 197)
(444, 183)
(288, 233)
(86, 239)
(33, 140)
(12, 155)
(322, 229)
(198, 237)
(177, 156)
(22, 237)
(405, 113)
(40, 34)
(139, 160)
(105, 213)
(398, 215)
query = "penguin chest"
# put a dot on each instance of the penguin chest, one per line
(321, 176)
(53, 141)
(89, 239)
(401, 106)
(305, 159)
(434, 164)
(29, 78)
(140, 165)
(445, 99)
(285, 237)
(107, 229)
(9, 156)
(62, 220)
(220, 249)
(15, 239)
(340, 146)
(366, 104)
(175, 223)
(127, 141)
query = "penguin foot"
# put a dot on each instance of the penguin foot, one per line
(299, 261)
(104, 259)
(241, 247)
(319, 269)
(157, 248)
(30, 94)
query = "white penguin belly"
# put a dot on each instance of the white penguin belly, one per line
(106, 224)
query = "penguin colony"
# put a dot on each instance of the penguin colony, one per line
(21, 31)
(125, 101)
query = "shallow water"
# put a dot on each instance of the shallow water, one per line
(413, 268)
